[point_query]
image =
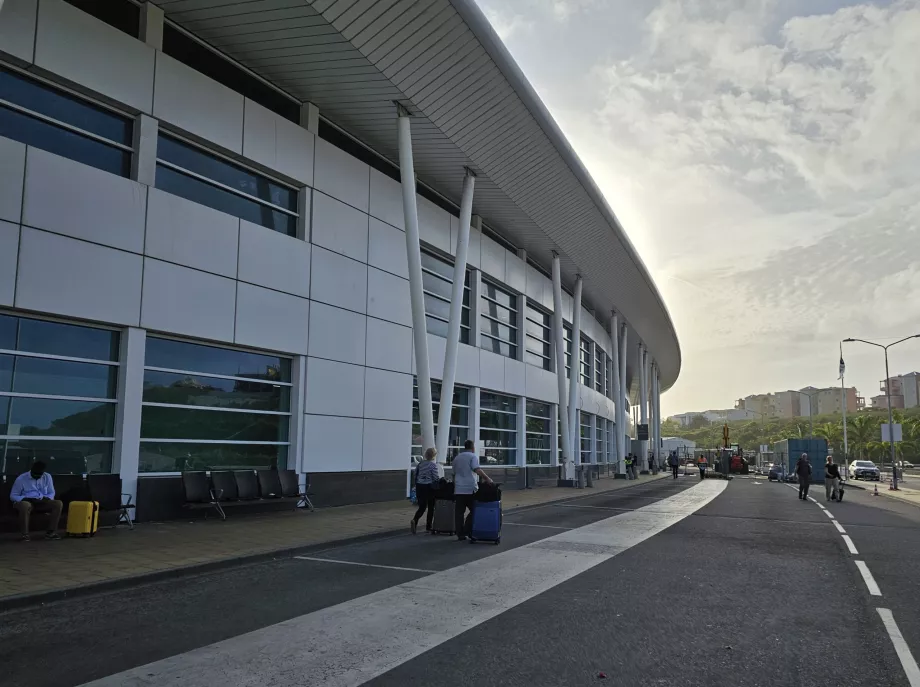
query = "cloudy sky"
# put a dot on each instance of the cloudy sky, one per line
(764, 157)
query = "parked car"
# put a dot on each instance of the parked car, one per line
(904, 465)
(775, 473)
(864, 469)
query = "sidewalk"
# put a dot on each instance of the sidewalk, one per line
(902, 494)
(36, 571)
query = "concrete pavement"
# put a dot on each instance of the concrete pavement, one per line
(754, 569)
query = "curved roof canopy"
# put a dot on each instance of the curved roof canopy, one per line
(473, 108)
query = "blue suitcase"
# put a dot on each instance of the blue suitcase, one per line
(487, 522)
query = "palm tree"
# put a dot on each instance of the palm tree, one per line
(833, 433)
(862, 430)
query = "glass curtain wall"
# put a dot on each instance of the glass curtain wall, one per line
(459, 420)
(498, 428)
(437, 283)
(538, 338)
(57, 396)
(585, 438)
(213, 408)
(584, 362)
(539, 433)
(498, 320)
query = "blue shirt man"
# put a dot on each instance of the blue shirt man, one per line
(33, 491)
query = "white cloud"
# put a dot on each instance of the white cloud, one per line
(507, 24)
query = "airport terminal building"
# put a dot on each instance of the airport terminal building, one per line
(243, 234)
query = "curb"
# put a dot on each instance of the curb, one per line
(20, 601)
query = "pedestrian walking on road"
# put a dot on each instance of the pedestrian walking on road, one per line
(629, 466)
(701, 464)
(674, 462)
(466, 467)
(426, 481)
(831, 479)
(803, 470)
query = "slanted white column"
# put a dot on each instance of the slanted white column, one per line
(616, 450)
(622, 410)
(576, 367)
(449, 375)
(657, 379)
(416, 296)
(565, 459)
(298, 408)
(128, 409)
(653, 408)
(643, 405)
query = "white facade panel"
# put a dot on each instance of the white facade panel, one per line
(271, 319)
(277, 143)
(337, 280)
(191, 234)
(515, 272)
(386, 445)
(387, 248)
(468, 365)
(386, 199)
(515, 382)
(492, 260)
(473, 249)
(271, 259)
(191, 101)
(67, 277)
(387, 395)
(9, 256)
(337, 334)
(12, 176)
(103, 59)
(492, 370)
(185, 301)
(17, 28)
(70, 198)
(389, 346)
(339, 227)
(338, 174)
(332, 444)
(388, 297)
(437, 348)
(541, 384)
(535, 283)
(433, 224)
(334, 388)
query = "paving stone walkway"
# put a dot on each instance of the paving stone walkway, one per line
(29, 570)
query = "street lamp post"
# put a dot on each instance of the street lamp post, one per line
(894, 467)
(811, 422)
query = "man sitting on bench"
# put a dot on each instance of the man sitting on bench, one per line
(33, 491)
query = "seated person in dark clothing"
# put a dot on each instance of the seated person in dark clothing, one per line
(33, 492)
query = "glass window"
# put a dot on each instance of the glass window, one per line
(498, 429)
(459, 419)
(42, 116)
(209, 407)
(585, 437)
(188, 171)
(600, 443)
(584, 362)
(539, 435)
(567, 336)
(538, 341)
(498, 320)
(437, 283)
(600, 370)
(52, 407)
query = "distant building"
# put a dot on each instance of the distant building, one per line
(905, 392)
(682, 446)
(715, 416)
(791, 403)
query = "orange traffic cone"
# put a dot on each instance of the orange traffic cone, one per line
(875, 493)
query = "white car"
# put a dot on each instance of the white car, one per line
(864, 469)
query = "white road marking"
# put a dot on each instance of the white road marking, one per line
(353, 642)
(828, 514)
(900, 646)
(839, 527)
(527, 524)
(578, 505)
(363, 565)
(868, 579)
(812, 499)
(850, 545)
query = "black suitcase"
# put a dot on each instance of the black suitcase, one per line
(443, 522)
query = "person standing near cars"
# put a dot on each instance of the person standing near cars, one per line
(466, 468)
(426, 481)
(674, 462)
(831, 479)
(803, 471)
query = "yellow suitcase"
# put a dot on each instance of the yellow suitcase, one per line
(82, 518)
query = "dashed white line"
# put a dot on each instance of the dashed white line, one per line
(820, 506)
(527, 524)
(868, 579)
(850, 546)
(839, 527)
(363, 565)
(828, 514)
(900, 646)
(812, 499)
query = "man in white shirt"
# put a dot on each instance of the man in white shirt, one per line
(466, 467)
(33, 492)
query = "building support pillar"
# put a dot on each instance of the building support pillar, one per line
(449, 376)
(616, 450)
(575, 375)
(126, 456)
(568, 466)
(658, 412)
(416, 295)
(643, 405)
(622, 410)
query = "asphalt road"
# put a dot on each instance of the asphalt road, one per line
(754, 588)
